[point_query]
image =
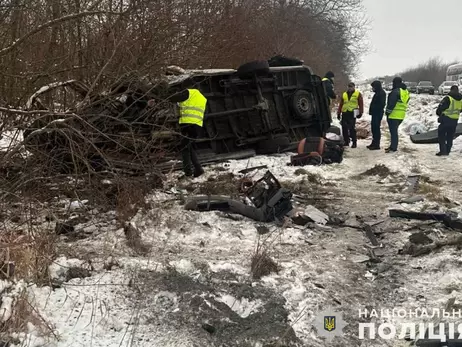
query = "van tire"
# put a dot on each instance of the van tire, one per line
(248, 70)
(302, 104)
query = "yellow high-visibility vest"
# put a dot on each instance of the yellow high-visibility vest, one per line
(353, 103)
(399, 112)
(455, 108)
(192, 110)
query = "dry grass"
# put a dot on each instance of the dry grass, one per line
(378, 170)
(309, 176)
(263, 265)
(226, 184)
(130, 198)
(134, 240)
(30, 254)
(433, 193)
(23, 313)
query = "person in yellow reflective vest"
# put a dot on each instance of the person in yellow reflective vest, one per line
(351, 102)
(397, 104)
(448, 112)
(191, 104)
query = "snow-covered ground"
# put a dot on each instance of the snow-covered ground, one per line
(193, 287)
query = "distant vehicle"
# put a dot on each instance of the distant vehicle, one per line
(454, 73)
(412, 87)
(445, 87)
(389, 86)
(425, 87)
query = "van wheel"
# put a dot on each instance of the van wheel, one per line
(302, 104)
(259, 68)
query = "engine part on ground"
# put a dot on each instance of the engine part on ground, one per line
(270, 201)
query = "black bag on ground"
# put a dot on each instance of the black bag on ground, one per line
(333, 151)
(317, 151)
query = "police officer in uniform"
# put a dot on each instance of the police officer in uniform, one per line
(191, 104)
(351, 100)
(397, 104)
(448, 116)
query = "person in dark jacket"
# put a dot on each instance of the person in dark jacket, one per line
(328, 82)
(448, 116)
(397, 103)
(376, 109)
(351, 101)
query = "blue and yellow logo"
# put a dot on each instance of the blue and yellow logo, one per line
(329, 323)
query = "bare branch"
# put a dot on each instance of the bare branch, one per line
(50, 24)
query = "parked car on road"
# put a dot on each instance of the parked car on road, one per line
(425, 87)
(445, 87)
(412, 87)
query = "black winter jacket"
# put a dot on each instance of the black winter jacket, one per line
(329, 86)
(378, 100)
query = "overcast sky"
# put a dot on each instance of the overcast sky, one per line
(406, 32)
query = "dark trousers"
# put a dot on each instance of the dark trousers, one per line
(348, 127)
(446, 131)
(393, 125)
(376, 121)
(191, 164)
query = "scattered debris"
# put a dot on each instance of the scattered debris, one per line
(77, 272)
(412, 199)
(250, 169)
(303, 216)
(363, 129)
(412, 183)
(209, 328)
(370, 234)
(262, 230)
(420, 238)
(266, 201)
(417, 250)
(360, 259)
(448, 219)
(418, 215)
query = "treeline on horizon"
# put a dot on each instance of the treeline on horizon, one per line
(434, 70)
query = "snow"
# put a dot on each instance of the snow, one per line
(9, 139)
(58, 270)
(243, 307)
(44, 89)
(317, 265)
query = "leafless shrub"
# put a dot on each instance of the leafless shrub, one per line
(30, 254)
(262, 264)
